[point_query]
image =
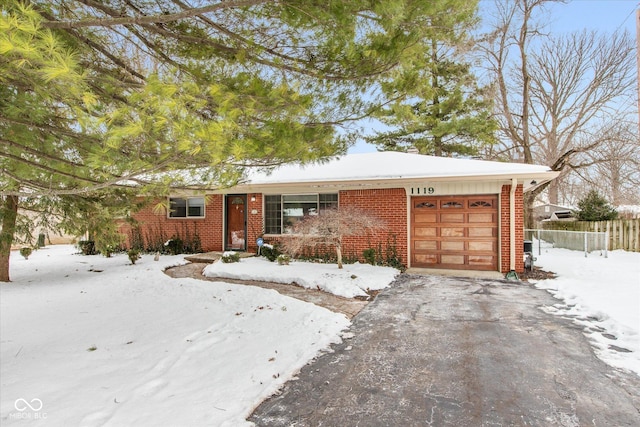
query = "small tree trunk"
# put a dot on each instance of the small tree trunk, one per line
(9, 210)
(437, 143)
(552, 192)
(339, 255)
(529, 199)
(529, 219)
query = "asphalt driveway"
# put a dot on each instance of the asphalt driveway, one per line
(436, 351)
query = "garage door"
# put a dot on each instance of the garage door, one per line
(457, 232)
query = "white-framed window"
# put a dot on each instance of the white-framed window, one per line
(186, 207)
(282, 211)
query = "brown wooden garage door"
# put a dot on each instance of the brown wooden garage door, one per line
(457, 232)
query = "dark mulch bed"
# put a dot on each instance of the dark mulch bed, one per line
(537, 274)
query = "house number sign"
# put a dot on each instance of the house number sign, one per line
(422, 190)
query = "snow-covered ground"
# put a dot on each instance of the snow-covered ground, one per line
(88, 340)
(600, 293)
(351, 281)
(97, 341)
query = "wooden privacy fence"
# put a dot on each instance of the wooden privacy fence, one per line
(623, 233)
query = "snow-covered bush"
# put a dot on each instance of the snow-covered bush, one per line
(230, 256)
(270, 252)
(283, 259)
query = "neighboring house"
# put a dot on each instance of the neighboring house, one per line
(439, 212)
(51, 237)
(552, 212)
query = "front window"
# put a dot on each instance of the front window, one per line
(186, 207)
(282, 212)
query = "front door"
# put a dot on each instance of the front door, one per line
(235, 236)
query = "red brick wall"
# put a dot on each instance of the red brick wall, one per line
(209, 228)
(389, 205)
(157, 224)
(505, 222)
(255, 226)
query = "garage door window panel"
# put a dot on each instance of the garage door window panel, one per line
(452, 204)
(425, 205)
(479, 204)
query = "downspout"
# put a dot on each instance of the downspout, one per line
(512, 225)
(512, 231)
(408, 212)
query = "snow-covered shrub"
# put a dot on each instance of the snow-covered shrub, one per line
(270, 252)
(230, 256)
(283, 259)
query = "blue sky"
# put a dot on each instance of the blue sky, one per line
(600, 15)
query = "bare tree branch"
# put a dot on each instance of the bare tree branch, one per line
(554, 96)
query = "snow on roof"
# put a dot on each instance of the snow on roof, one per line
(392, 165)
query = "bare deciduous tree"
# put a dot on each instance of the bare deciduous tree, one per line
(328, 229)
(554, 93)
(613, 169)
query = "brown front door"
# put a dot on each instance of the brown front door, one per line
(457, 232)
(235, 236)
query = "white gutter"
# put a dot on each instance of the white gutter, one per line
(512, 225)
(385, 182)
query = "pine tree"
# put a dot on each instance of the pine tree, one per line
(445, 112)
(96, 96)
(594, 207)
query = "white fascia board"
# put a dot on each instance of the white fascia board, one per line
(367, 184)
